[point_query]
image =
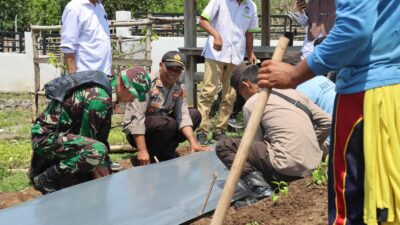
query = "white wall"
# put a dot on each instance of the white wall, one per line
(17, 70)
(165, 44)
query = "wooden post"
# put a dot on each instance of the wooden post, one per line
(190, 41)
(35, 105)
(265, 20)
(247, 140)
(148, 41)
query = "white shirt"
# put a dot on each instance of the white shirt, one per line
(232, 21)
(85, 32)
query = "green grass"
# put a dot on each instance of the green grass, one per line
(120, 156)
(13, 181)
(117, 137)
(16, 125)
(14, 95)
(15, 154)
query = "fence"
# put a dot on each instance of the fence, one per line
(45, 40)
(279, 24)
(12, 41)
(48, 40)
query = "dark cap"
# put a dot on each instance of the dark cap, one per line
(174, 58)
(237, 74)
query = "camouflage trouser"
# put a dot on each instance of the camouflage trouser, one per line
(74, 153)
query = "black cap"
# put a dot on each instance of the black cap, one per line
(174, 58)
(237, 74)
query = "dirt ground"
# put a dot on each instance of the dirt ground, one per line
(305, 204)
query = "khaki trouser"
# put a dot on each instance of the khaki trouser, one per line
(216, 72)
(258, 159)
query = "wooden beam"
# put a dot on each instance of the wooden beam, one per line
(149, 32)
(136, 62)
(35, 105)
(43, 28)
(190, 41)
(265, 22)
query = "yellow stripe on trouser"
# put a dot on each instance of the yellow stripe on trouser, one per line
(382, 153)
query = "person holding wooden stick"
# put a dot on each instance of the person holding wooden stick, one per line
(364, 46)
(287, 142)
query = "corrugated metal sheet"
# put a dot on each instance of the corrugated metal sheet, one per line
(170, 192)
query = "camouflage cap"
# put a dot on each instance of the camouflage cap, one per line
(137, 81)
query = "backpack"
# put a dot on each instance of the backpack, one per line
(60, 87)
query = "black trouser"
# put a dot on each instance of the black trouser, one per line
(238, 106)
(163, 135)
(258, 159)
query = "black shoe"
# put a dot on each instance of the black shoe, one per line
(46, 182)
(202, 138)
(38, 166)
(218, 134)
(258, 186)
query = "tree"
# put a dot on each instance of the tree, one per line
(10, 10)
(46, 12)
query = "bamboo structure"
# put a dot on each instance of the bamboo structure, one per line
(118, 59)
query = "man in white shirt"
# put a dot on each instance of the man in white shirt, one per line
(230, 25)
(85, 37)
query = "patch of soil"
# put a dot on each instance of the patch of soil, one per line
(185, 150)
(8, 199)
(305, 204)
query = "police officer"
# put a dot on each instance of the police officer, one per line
(72, 134)
(157, 125)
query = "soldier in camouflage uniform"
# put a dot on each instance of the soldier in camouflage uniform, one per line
(157, 125)
(73, 134)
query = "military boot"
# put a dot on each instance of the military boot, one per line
(38, 166)
(46, 182)
(258, 186)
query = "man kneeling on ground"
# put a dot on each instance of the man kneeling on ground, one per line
(157, 125)
(70, 137)
(286, 145)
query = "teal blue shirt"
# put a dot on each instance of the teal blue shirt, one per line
(363, 45)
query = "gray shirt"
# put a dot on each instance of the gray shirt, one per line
(161, 101)
(292, 140)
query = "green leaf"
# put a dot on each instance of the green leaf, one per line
(285, 191)
(275, 197)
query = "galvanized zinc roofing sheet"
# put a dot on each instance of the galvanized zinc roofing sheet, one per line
(170, 192)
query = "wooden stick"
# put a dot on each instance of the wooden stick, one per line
(127, 148)
(203, 207)
(248, 137)
(18, 170)
(155, 158)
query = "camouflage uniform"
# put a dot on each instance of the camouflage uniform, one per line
(75, 133)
